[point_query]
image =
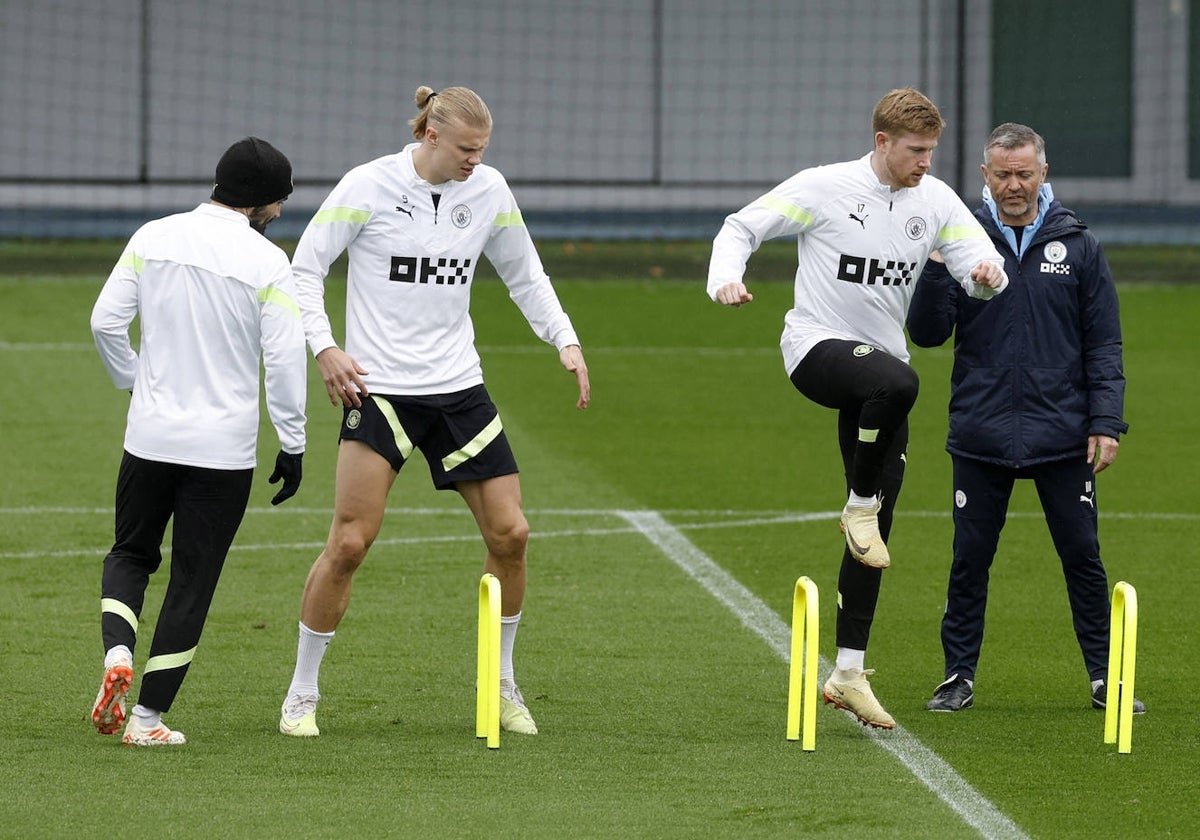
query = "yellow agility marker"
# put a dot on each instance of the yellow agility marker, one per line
(487, 679)
(1122, 652)
(802, 674)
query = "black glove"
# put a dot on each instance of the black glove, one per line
(288, 468)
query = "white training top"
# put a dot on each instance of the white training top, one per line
(861, 248)
(211, 295)
(412, 260)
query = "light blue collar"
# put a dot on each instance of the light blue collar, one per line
(1045, 196)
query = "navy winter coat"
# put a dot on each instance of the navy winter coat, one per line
(1037, 369)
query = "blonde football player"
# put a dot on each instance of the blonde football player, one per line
(864, 229)
(415, 224)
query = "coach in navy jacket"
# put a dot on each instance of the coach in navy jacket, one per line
(1034, 376)
(1037, 392)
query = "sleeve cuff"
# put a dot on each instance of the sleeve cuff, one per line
(321, 341)
(565, 338)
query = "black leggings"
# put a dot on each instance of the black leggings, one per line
(871, 391)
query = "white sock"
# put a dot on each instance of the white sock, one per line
(309, 652)
(115, 653)
(856, 500)
(1096, 684)
(508, 636)
(848, 658)
(147, 718)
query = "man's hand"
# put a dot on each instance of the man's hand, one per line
(288, 469)
(1102, 451)
(989, 274)
(733, 294)
(571, 357)
(343, 377)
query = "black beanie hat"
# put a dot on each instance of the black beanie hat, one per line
(252, 173)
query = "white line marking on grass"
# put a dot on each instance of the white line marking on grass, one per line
(39, 347)
(921, 761)
(539, 349)
(419, 540)
(485, 350)
(472, 537)
(780, 518)
(317, 546)
(760, 517)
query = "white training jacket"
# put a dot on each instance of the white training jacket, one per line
(211, 295)
(411, 266)
(861, 248)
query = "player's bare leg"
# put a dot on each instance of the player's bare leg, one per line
(360, 498)
(496, 505)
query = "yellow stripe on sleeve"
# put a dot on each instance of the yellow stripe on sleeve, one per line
(786, 209)
(341, 214)
(280, 298)
(952, 233)
(510, 219)
(131, 260)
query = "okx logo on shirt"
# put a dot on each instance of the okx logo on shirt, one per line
(440, 271)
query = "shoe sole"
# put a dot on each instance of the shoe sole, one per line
(837, 704)
(1100, 707)
(966, 705)
(109, 712)
(148, 739)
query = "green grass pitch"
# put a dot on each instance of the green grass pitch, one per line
(697, 470)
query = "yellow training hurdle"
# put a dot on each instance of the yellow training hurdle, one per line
(802, 674)
(1122, 653)
(487, 679)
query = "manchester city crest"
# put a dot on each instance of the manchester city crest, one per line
(915, 228)
(1055, 251)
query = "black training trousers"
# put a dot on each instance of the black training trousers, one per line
(207, 506)
(871, 390)
(1067, 490)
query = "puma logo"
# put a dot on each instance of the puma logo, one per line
(407, 210)
(1091, 502)
(862, 221)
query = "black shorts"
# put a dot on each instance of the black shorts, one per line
(459, 434)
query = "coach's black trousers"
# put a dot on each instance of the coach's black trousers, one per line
(207, 506)
(874, 391)
(1067, 491)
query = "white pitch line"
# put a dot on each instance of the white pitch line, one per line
(40, 347)
(762, 517)
(317, 546)
(485, 350)
(741, 521)
(941, 779)
(443, 538)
